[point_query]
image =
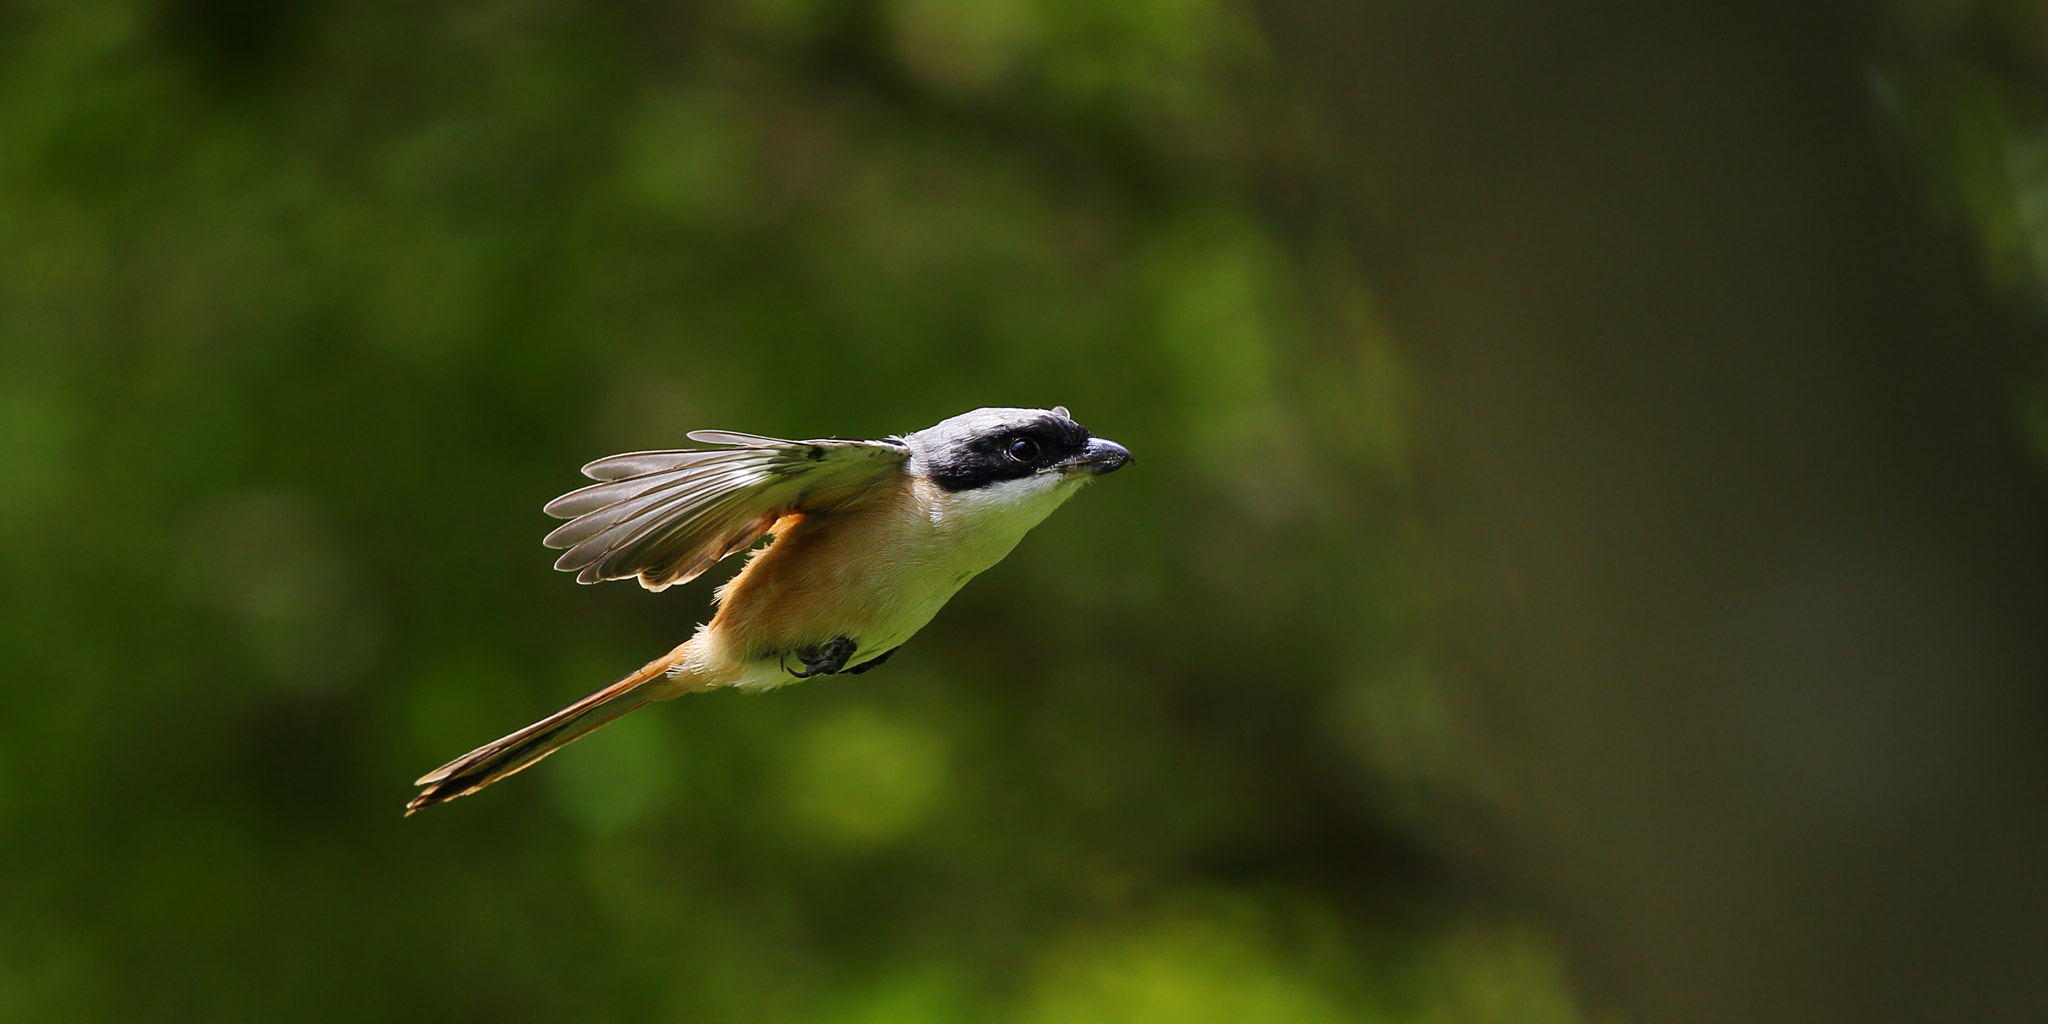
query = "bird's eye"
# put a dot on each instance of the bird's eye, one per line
(1023, 449)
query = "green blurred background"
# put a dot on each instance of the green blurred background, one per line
(1585, 560)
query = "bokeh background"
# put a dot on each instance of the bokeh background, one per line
(1585, 560)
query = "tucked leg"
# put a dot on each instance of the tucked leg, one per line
(824, 659)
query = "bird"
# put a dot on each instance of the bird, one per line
(869, 539)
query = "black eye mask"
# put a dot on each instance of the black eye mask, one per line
(990, 459)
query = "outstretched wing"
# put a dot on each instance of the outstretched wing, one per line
(668, 516)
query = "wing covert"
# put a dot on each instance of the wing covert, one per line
(668, 516)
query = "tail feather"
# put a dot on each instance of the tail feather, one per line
(515, 753)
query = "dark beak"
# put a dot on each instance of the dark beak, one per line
(1101, 456)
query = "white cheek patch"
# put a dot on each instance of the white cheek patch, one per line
(1030, 498)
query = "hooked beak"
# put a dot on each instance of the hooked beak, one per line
(1101, 456)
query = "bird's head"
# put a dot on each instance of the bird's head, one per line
(1013, 451)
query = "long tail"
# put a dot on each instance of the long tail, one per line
(515, 753)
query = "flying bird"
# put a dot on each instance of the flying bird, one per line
(870, 539)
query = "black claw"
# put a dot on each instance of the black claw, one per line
(824, 659)
(872, 662)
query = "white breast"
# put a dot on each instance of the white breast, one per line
(888, 568)
(968, 532)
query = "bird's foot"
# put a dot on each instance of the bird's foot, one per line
(872, 662)
(824, 659)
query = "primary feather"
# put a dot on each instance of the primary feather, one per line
(667, 516)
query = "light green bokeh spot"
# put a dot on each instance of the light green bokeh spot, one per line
(860, 779)
(1186, 970)
(929, 995)
(962, 47)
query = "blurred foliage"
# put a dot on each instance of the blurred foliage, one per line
(1965, 85)
(308, 306)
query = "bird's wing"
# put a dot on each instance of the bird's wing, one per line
(668, 516)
